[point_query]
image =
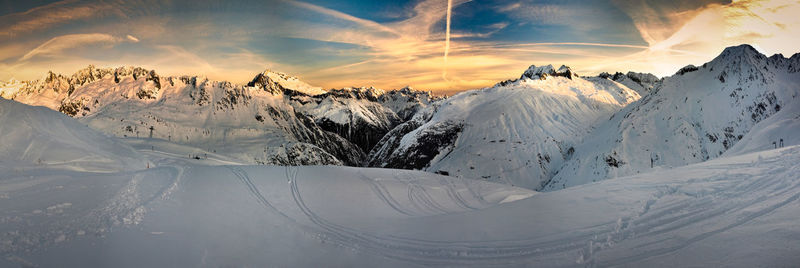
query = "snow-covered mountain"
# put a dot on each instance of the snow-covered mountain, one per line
(362, 115)
(549, 129)
(276, 119)
(695, 115)
(517, 132)
(38, 137)
(71, 196)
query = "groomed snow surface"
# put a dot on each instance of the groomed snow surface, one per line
(736, 211)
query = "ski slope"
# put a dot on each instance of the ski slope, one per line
(182, 214)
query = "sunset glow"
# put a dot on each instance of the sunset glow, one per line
(387, 45)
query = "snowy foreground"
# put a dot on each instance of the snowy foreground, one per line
(731, 211)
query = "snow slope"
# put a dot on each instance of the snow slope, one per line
(517, 132)
(693, 116)
(275, 119)
(249, 124)
(179, 214)
(39, 137)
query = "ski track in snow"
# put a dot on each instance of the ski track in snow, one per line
(647, 233)
(717, 196)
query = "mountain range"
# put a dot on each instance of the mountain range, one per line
(549, 129)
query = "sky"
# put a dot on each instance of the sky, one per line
(386, 44)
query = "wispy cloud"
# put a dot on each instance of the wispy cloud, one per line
(340, 15)
(57, 45)
(415, 54)
(695, 36)
(43, 17)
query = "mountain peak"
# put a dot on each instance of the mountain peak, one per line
(740, 53)
(744, 62)
(542, 72)
(280, 82)
(740, 49)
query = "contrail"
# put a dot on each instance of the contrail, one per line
(447, 39)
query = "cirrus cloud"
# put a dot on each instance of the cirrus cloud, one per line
(57, 45)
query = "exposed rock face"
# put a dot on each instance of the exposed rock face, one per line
(429, 143)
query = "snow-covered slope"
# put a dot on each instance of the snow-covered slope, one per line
(36, 137)
(517, 132)
(183, 215)
(251, 124)
(693, 116)
(276, 119)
